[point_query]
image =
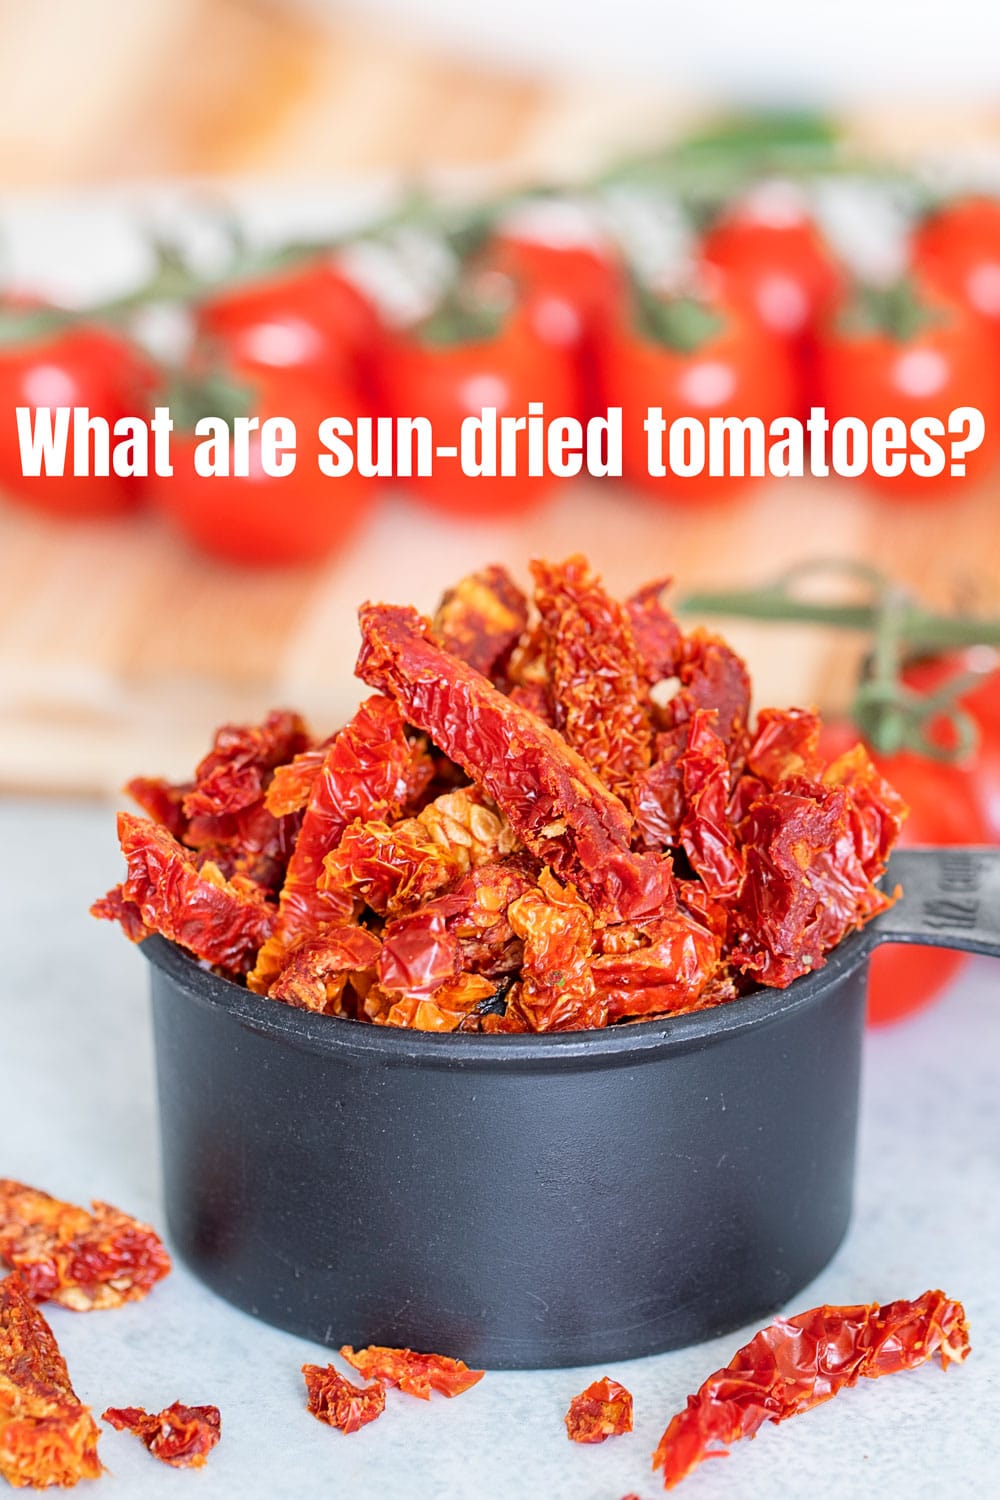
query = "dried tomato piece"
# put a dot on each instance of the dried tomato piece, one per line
(712, 676)
(334, 1400)
(162, 801)
(79, 1259)
(596, 673)
(47, 1436)
(292, 784)
(181, 1436)
(416, 1374)
(393, 868)
(446, 1010)
(558, 990)
(232, 775)
(785, 743)
(796, 1363)
(667, 970)
(365, 769)
(603, 1410)
(805, 885)
(876, 811)
(482, 619)
(554, 802)
(115, 908)
(657, 634)
(223, 922)
(467, 927)
(316, 970)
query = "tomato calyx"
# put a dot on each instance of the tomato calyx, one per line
(29, 323)
(210, 391)
(682, 324)
(898, 312)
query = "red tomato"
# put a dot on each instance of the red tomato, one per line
(982, 701)
(948, 363)
(308, 319)
(258, 519)
(569, 293)
(76, 364)
(732, 373)
(776, 267)
(957, 249)
(943, 811)
(449, 381)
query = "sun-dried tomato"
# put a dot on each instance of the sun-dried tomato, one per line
(334, 1400)
(181, 1436)
(796, 1363)
(595, 671)
(666, 972)
(603, 1410)
(114, 908)
(445, 1010)
(482, 619)
(558, 989)
(711, 676)
(394, 868)
(223, 922)
(79, 1259)
(416, 1374)
(466, 927)
(554, 802)
(232, 775)
(364, 771)
(657, 634)
(316, 970)
(47, 1436)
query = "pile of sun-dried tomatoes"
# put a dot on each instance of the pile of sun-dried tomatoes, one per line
(554, 813)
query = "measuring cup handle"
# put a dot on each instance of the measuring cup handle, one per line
(951, 899)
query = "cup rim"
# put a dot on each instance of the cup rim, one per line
(638, 1041)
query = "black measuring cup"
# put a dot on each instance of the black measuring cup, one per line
(529, 1201)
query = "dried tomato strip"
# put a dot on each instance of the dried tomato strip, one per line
(712, 676)
(553, 800)
(416, 1374)
(657, 634)
(79, 1259)
(482, 619)
(334, 1400)
(603, 1410)
(232, 775)
(223, 922)
(47, 1436)
(797, 1363)
(364, 772)
(316, 970)
(181, 1436)
(596, 673)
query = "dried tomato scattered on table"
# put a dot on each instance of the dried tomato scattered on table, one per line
(555, 813)
(181, 1436)
(83, 1260)
(332, 1399)
(416, 1374)
(603, 1410)
(47, 1437)
(797, 1363)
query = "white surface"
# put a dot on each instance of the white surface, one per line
(824, 51)
(77, 1117)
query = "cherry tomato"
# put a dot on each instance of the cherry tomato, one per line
(904, 978)
(957, 249)
(447, 381)
(569, 291)
(308, 319)
(258, 519)
(982, 701)
(70, 364)
(732, 372)
(774, 265)
(947, 362)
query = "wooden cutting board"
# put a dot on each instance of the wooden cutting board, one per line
(120, 650)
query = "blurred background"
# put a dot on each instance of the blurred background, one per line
(280, 190)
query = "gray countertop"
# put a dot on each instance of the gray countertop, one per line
(78, 1118)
